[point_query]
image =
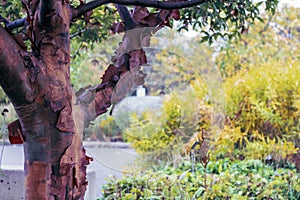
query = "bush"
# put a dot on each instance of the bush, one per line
(266, 99)
(262, 118)
(152, 135)
(223, 179)
(262, 109)
(110, 127)
(261, 86)
(160, 137)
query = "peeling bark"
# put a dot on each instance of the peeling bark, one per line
(50, 123)
(124, 74)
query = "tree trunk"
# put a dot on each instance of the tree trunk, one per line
(50, 122)
(54, 161)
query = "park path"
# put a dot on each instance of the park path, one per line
(110, 159)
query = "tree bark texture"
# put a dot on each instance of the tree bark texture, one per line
(51, 123)
(51, 115)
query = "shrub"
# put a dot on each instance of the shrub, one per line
(262, 118)
(266, 99)
(159, 137)
(109, 126)
(222, 179)
(152, 136)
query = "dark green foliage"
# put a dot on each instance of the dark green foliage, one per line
(227, 19)
(222, 179)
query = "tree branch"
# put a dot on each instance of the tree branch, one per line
(17, 24)
(124, 73)
(96, 3)
(267, 25)
(14, 76)
(155, 4)
(126, 17)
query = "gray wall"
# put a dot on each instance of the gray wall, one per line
(12, 185)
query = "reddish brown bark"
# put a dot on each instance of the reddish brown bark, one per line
(38, 84)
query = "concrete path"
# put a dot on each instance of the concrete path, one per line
(110, 159)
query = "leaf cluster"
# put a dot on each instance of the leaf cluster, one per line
(225, 19)
(94, 27)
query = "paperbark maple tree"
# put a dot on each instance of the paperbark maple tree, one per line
(37, 81)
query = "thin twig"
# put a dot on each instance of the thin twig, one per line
(77, 33)
(267, 25)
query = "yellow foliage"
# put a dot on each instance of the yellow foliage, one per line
(262, 86)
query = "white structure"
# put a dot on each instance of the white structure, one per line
(140, 91)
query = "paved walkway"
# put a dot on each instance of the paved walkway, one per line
(110, 159)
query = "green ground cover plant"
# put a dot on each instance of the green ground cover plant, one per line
(222, 179)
